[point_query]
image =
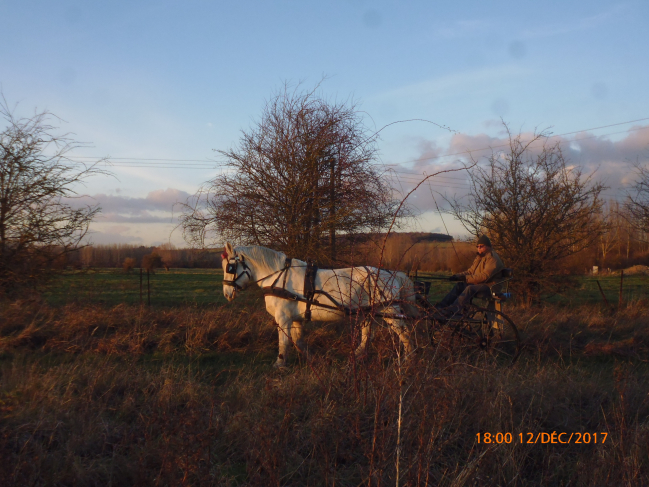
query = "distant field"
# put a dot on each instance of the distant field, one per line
(203, 287)
(635, 287)
(114, 286)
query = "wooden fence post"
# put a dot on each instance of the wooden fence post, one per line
(148, 288)
(140, 286)
(603, 295)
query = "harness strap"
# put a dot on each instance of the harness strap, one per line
(310, 291)
(287, 266)
(288, 295)
(309, 286)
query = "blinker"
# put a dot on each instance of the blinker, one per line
(231, 268)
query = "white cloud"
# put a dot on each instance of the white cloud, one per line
(606, 160)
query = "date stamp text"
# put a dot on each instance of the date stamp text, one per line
(555, 437)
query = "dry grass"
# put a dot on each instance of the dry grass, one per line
(130, 396)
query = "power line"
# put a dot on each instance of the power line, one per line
(143, 159)
(166, 163)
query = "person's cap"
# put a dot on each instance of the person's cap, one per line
(484, 240)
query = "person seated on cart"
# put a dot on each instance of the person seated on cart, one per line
(476, 282)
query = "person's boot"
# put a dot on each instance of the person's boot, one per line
(453, 311)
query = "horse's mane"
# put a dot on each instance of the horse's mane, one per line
(269, 258)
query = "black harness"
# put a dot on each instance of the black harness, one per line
(231, 268)
(309, 286)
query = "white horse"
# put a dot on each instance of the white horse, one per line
(366, 291)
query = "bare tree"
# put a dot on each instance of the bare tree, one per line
(610, 235)
(637, 202)
(38, 223)
(300, 178)
(535, 209)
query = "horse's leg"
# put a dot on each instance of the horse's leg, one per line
(297, 334)
(366, 328)
(401, 329)
(284, 331)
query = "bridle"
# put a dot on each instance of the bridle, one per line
(231, 268)
(233, 264)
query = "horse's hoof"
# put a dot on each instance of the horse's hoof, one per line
(279, 365)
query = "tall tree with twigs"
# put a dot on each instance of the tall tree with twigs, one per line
(637, 201)
(534, 207)
(299, 179)
(39, 224)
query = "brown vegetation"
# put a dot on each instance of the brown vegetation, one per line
(151, 261)
(129, 264)
(113, 255)
(135, 396)
(404, 251)
(411, 252)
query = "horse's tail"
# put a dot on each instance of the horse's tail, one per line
(407, 295)
(407, 287)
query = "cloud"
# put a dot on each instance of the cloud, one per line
(158, 200)
(607, 160)
(156, 207)
(140, 217)
(105, 238)
(427, 150)
(166, 198)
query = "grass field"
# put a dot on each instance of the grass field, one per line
(101, 392)
(635, 288)
(202, 287)
(114, 286)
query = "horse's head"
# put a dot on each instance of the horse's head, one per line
(236, 273)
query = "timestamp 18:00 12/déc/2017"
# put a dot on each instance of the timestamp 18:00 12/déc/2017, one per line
(553, 438)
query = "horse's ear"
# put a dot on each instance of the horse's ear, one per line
(229, 249)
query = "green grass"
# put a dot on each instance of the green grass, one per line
(635, 287)
(586, 291)
(114, 286)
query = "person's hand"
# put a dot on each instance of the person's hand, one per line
(457, 277)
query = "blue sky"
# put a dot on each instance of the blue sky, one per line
(176, 80)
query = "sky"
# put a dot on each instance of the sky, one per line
(158, 86)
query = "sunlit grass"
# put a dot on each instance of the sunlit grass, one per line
(130, 395)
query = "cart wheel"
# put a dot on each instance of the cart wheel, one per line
(487, 336)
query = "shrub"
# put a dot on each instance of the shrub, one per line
(128, 264)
